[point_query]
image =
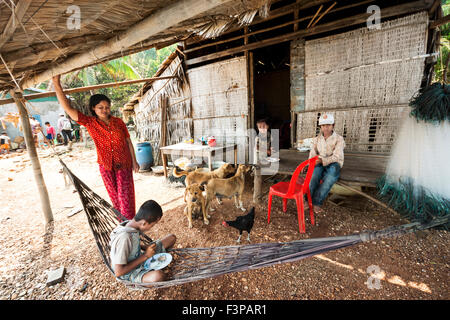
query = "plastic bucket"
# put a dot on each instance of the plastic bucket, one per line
(144, 155)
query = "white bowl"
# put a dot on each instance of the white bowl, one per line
(158, 169)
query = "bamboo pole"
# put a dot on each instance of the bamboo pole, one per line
(29, 141)
(87, 88)
(321, 16)
(367, 196)
(318, 11)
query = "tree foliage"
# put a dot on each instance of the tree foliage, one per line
(136, 66)
(445, 45)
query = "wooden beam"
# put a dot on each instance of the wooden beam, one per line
(87, 88)
(334, 25)
(273, 14)
(15, 19)
(29, 141)
(294, 22)
(440, 22)
(161, 20)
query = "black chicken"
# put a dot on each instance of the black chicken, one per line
(242, 223)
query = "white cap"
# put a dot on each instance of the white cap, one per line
(326, 118)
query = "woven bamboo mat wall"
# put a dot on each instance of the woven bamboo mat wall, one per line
(366, 79)
(363, 129)
(220, 101)
(366, 68)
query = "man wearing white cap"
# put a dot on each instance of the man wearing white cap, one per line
(329, 146)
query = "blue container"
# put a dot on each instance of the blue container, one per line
(144, 155)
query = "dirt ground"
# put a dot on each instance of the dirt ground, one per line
(415, 266)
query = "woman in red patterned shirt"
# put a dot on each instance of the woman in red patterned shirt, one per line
(115, 152)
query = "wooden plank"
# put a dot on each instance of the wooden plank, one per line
(14, 21)
(250, 89)
(156, 23)
(334, 25)
(163, 129)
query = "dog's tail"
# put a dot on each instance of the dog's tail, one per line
(179, 174)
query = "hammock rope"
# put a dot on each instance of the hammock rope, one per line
(193, 264)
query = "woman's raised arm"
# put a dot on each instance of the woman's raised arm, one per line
(73, 113)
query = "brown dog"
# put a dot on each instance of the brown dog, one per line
(228, 188)
(201, 177)
(196, 203)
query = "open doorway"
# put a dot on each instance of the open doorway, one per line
(272, 89)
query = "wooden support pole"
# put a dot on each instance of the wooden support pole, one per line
(257, 185)
(293, 129)
(321, 16)
(435, 6)
(31, 148)
(296, 18)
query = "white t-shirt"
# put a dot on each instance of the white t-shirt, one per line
(4, 139)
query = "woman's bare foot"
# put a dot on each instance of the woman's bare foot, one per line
(318, 209)
(305, 205)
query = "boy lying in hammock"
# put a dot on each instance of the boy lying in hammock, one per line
(127, 260)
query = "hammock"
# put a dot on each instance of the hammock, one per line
(192, 264)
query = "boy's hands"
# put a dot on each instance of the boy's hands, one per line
(150, 251)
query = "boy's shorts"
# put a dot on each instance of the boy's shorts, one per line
(137, 274)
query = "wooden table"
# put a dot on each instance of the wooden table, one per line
(195, 150)
(359, 168)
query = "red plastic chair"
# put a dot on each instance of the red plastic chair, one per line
(295, 190)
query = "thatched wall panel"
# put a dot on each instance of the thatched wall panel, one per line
(366, 79)
(220, 101)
